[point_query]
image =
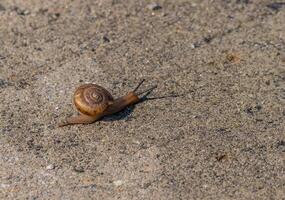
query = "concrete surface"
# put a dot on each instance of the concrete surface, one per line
(222, 138)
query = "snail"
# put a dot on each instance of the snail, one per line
(94, 102)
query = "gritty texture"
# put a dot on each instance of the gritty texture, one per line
(223, 137)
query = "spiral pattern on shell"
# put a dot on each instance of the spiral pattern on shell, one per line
(92, 99)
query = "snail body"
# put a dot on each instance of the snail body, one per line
(94, 102)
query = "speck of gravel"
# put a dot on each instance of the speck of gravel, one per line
(50, 167)
(118, 183)
(106, 39)
(78, 169)
(276, 6)
(4, 83)
(154, 6)
(21, 11)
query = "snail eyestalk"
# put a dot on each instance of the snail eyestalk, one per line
(147, 90)
(138, 85)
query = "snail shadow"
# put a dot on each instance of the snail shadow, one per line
(125, 114)
(122, 115)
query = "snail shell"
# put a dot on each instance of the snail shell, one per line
(91, 99)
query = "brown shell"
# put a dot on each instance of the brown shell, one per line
(92, 99)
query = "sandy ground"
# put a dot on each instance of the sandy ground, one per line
(222, 138)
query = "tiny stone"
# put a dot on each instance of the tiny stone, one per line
(281, 143)
(154, 6)
(276, 6)
(106, 39)
(26, 12)
(50, 167)
(4, 83)
(53, 16)
(21, 11)
(118, 183)
(193, 46)
(78, 169)
(208, 39)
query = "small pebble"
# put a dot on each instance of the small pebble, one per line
(118, 183)
(154, 6)
(78, 169)
(53, 16)
(4, 83)
(276, 6)
(26, 12)
(106, 39)
(20, 11)
(50, 167)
